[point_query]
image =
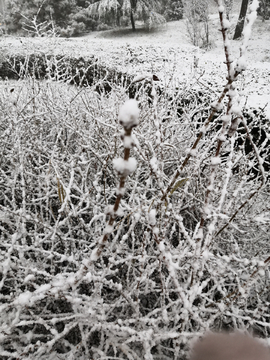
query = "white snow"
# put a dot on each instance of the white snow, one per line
(142, 77)
(154, 163)
(193, 152)
(156, 230)
(222, 138)
(23, 299)
(125, 167)
(120, 191)
(254, 5)
(254, 86)
(217, 106)
(120, 211)
(94, 255)
(199, 234)
(161, 246)
(206, 255)
(221, 9)
(108, 229)
(152, 217)
(241, 64)
(128, 142)
(137, 216)
(236, 110)
(232, 93)
(28, 278)
(226, 24)
(43, 288)
(109, 210)
(129, 114)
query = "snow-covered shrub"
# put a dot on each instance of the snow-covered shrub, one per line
(72, 70)
(124, 241)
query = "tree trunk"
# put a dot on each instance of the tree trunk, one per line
(132, 20)
(241, 20)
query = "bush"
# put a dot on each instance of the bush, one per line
(124, 21)
(155, 20)
(82, 16)
(174, 10)
(78, 28)
(264, 9)
(103, 27)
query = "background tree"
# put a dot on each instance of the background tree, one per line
(147, 10)
(264, 9)
(69, 16)
(241, 20)
(133, 5)
(228, 6)
(197, 22)
(173, 9)
(19, 11)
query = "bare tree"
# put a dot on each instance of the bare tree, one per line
(197, 22)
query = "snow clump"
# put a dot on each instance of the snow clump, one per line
(215, 160)
(125, 167)
(129, 114)
(152, 217)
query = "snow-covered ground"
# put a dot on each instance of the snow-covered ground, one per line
(167, 52)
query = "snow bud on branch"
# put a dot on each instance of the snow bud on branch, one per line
(128, 118)
(129, 114)
(225, 25)
(125, 167)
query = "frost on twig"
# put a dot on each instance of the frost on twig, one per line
(233, 111)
